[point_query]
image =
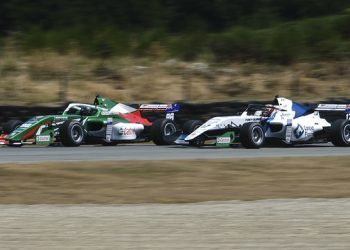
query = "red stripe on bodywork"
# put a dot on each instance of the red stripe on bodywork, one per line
(136, 117)
(2, 139)
(31, 132)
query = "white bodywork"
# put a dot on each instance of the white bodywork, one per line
(281, 123)
(79, 105)
(223, 123)
(121, 108)
(295, 129)
(126, 131)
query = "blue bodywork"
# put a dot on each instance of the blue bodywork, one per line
(299, 109)
(173, 108)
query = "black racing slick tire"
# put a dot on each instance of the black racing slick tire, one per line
(11, 125)
(71, 134)
(198, 141)
(190, 126)
(161, 128)
(252, 135)
(340, 133)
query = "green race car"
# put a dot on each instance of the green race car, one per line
(105, 122)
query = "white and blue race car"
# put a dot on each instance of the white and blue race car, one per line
(284, 121)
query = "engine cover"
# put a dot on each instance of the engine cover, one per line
(126, 131)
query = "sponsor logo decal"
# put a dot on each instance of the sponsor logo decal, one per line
(26, 125)
(170, 116)
(289, 130)
(60, 118)
(155, 106)
(252, 119)
(299, 131)
(223, 140)
(126, 131)
(309, 130)
(109, 129)
(43, 138)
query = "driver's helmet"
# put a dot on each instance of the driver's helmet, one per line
(267, 111)
(85, 110)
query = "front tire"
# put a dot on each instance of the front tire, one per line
(190, 126)
(162, 128)
(198, 141)
(72, 134)
(252, 135)
(11, 125)
(340, 133)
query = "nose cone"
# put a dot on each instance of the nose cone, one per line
(191, 136)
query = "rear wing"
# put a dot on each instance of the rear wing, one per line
(334, 107)
(344, 108)
(167, 108)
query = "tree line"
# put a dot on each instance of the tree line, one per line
(267, 30)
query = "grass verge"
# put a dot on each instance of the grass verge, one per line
(174, 181)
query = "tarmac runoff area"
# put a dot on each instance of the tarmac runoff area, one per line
(266, 224)
(127, 152)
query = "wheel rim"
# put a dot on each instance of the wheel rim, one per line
(346, 133)
(198, 142)
(169, 129)
(257, 135)
(77, 133)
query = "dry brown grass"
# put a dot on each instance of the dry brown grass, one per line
(36, 78)
(174, 182)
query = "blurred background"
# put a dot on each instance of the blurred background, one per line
(165, 50)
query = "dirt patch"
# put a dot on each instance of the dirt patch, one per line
(174, 182)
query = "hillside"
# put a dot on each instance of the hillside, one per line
(59, 50)
(50, 78)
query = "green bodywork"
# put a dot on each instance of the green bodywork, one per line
(225, 140)
(44, 130)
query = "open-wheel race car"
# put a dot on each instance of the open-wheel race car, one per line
(283, 122)
(103, 122)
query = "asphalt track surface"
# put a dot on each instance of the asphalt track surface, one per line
(127, 152)
(267, 224)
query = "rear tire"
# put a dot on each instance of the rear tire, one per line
(340, 133)
(161, 128)
(72, 134)
(252, 135)
(190, 126)
(11, 125)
